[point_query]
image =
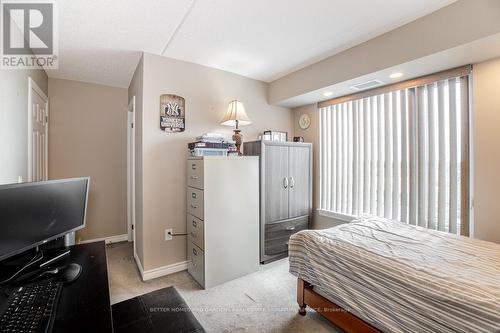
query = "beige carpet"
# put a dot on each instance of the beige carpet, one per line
(260, 302)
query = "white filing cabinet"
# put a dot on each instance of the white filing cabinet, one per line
(222, 218)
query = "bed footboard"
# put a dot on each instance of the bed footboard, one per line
(306, 296)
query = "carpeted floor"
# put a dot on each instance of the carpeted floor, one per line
(260, 302)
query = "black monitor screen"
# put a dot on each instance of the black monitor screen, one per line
(32, 213)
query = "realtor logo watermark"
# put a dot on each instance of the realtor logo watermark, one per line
(29, 34)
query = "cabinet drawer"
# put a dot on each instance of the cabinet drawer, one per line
(195, 173)
(278, 234)
(196, 263)
(195, 202)
(195, 231)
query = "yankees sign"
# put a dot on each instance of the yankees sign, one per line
(172, 113)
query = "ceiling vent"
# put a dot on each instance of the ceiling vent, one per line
(367, 85)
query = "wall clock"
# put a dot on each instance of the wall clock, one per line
(304, 121)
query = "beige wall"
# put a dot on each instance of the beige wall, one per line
(14, 121)
(136, 90)
(486, 161)
(207, 92)
(458, 24)
(87, 137)
(312, 135)
(486, 119)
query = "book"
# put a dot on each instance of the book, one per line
(201, 144)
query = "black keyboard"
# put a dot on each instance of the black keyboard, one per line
(31, 308)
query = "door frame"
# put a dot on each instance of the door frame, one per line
(131, 171)
(33, 87)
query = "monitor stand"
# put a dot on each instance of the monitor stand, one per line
(33, 264)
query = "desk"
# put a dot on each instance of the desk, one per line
(84, 305)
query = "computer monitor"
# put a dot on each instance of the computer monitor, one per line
(34, 213)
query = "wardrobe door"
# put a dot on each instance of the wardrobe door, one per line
(276, 183)
(299, 181)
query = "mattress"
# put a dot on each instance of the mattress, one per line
(402, 278)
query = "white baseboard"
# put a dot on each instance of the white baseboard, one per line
(107, 240)
(139, 266)
(160, 271)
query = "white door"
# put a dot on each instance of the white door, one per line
(38, 133)
(131, 171)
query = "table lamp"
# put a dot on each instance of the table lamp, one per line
(236, 116)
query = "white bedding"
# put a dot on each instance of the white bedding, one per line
(402, 278)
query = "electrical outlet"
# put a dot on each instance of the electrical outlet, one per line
(168, 234)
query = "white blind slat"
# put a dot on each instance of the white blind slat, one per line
(442, 164)
(404, 157)
(388, 156)
(396, 146)
(355, 161)
(453, 155)
(433, 156)
(381, 156)
(374, 156)
(423, 157)
(413, 159)
(367, 156)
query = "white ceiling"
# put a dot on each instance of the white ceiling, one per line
(100, 40)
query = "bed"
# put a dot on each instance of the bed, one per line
(374, 275)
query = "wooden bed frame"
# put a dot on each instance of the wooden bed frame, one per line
(306, 296)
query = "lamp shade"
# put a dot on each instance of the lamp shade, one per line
(235, 112)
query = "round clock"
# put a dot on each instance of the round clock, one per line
(304, 121)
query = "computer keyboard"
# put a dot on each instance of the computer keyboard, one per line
(31, 308)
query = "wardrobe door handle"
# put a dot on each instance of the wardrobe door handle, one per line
(285, 182)
(292, 182)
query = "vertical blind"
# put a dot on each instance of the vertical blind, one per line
(400, 154)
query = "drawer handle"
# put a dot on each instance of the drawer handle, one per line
(193, 195)
(193, 166)
(194, 224)
(195, 252)
(194, 177)
(290, 227)
(193, 234)
(193, 206)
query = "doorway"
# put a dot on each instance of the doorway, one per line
(38, 133)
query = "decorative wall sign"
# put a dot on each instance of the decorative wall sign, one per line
(172, 113)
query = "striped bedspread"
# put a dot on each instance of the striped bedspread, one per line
(402, 278)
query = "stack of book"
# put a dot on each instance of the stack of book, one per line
(209, 144)
(231, 150)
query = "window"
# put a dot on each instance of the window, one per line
(400, 152)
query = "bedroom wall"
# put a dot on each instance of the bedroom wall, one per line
(136, 89)
(14, 121)
(486, 162)
(486, 118)
(87, 137)
(207, 92)
(311, 134)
